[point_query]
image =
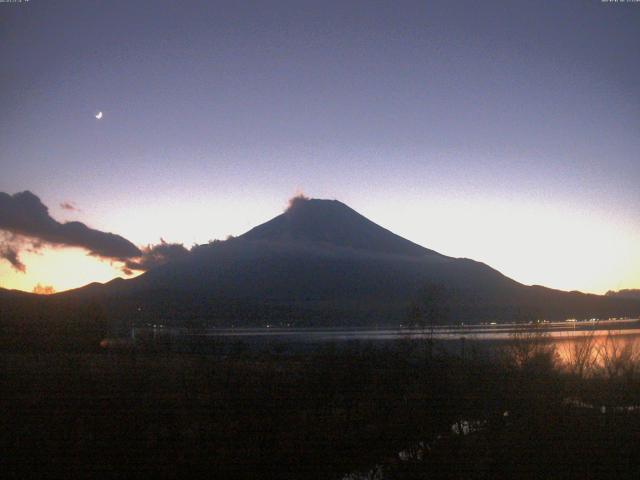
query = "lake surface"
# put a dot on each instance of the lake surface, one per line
(453, 338)
(558, 330)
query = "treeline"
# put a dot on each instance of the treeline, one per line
(445, 305)
(431, 304)
(29, 322)
(406, 411)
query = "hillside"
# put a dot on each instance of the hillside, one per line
(322, 263)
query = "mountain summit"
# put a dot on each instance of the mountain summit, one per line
(333, 223)
(322, 263)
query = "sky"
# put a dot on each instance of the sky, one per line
(503, 131)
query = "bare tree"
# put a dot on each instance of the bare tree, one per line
(530, 344)
(432, 308)
(579, 354)
(618, 357)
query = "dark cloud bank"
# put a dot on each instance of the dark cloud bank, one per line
(25, 223)
(154, 255)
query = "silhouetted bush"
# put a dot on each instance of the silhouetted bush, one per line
(340, 409)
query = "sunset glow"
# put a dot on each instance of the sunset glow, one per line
(61, 268)
(538, 246)
(390, 239)
(442, 125)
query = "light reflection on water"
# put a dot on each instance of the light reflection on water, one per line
(589, 343)
(556, 330)
(613, 350)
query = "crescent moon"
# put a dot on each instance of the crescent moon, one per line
(99, 115)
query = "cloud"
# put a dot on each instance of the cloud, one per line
(155, 255)
(10, 254)
(24, 215)
(298, 199)
(69, 206)
(25, 225)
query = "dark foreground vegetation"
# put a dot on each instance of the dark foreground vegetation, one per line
(404, 410)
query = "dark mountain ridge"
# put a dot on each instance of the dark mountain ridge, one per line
(626, 293)
(333, 223)
(322, 263)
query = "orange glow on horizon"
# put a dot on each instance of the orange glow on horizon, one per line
(532, 243)
(61, 268)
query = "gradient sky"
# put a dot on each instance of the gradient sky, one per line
(503, 131)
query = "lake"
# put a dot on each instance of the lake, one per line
(481, 337)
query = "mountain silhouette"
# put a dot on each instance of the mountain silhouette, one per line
(627, 293)
(322, 263)
(333, 223)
